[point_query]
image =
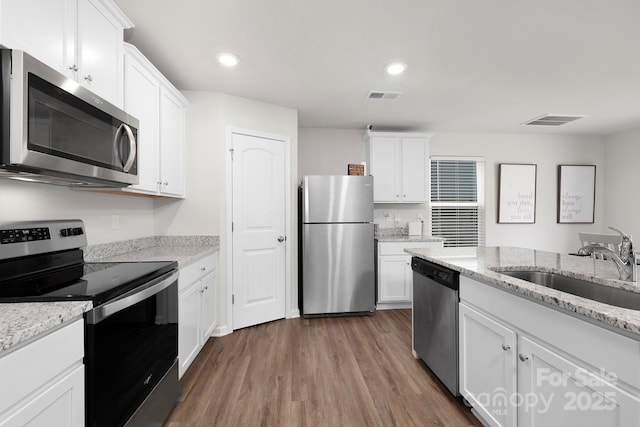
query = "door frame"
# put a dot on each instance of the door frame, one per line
(230, 131)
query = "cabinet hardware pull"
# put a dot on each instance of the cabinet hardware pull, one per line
(506, 347)
(73, 67)
(89, 78)
(523, 357)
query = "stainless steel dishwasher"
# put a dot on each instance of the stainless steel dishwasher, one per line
(435, 319)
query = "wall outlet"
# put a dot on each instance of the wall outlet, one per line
(115, 222)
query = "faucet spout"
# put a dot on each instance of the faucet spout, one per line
(625, 261)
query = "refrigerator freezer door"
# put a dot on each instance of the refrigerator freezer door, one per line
(338, 269)
(337, 198)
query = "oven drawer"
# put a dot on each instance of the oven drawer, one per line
(197, 269)
(36, 364)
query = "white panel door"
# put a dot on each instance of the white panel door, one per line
(414, 170)
(385, 154)
(488, 367)
(44, 29)
(100, 51)
(559, 392)
(142, 100)
(259, 239)
(171, 144)
(395, 278)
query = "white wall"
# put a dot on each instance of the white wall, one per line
(204, 211)
(547, 151)
(328, 151)
(22, 201)
(622, 181)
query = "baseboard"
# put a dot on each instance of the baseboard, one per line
(221, 331)
(393, 305)
(293, 314)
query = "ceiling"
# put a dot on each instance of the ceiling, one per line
(473, 65)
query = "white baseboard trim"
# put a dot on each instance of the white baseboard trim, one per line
(293, 314)
(221, 331)
(392, 305)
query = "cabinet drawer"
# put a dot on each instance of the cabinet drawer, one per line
(197, 269)
(30, 367)
(397, 248)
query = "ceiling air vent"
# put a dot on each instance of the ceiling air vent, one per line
(551, 120)
(378, 94)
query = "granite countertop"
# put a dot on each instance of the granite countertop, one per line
(407, 238)
(183, 249)
(485, 264)
(19, 322)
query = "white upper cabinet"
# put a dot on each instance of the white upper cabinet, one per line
(160, 109)
(399, 164)
(142, 101)
(172, 135)
(80, 38)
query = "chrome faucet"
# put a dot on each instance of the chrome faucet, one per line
(625, 261)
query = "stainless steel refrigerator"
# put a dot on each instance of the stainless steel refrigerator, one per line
(337, 246)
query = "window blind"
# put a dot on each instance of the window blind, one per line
(457, 200)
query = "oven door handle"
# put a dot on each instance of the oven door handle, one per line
(100, 313)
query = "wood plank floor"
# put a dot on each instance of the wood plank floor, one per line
(346, 371)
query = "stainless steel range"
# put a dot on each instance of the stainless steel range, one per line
(131, 334)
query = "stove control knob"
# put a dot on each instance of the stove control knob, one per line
(64, 232)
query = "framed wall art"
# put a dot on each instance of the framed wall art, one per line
(576, 193)
(517, 193)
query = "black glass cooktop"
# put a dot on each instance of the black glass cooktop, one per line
(63, 279)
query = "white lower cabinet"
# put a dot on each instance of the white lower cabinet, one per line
(487, 366)
(394, 276)
(526, 365)
(197, 309)
(47, 381)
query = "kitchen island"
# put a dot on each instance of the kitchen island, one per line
(485, 264)
(530, 355)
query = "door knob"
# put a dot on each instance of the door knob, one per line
(506, 347)
(281, 239)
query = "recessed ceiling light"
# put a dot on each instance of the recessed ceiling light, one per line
(228, 59)
(396, 68)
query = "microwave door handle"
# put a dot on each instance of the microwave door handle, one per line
(132, 148)
(116, 144)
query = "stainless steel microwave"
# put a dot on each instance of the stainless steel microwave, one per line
(56, 131)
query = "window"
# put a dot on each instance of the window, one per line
(457, 200)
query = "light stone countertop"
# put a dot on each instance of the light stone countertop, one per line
(20, 322)
(183, 249)
(406, 238)
(484, 264)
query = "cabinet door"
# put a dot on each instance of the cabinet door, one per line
(44, 29)
(558, 391)
(100, 51)
(487, 366)
(188, 327)
(384, 159)
(414, 170)
(395, 278)
(208, 304)
(142, 100)
(172, 117)
(59, 404)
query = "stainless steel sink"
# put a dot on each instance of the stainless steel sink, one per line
(582, 288)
